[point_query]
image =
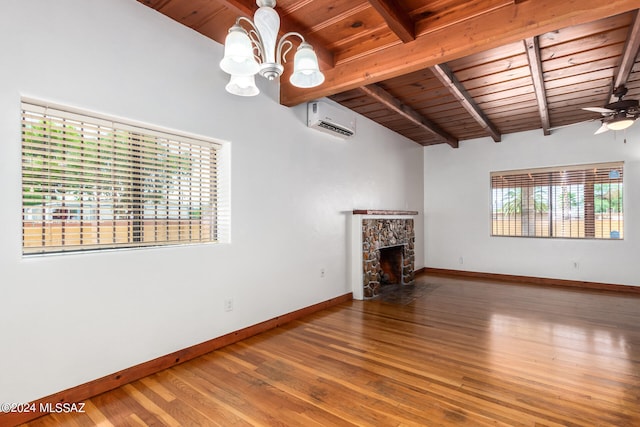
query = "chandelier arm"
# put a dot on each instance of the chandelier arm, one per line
(284, 42)
(285, 47)
(254, 35)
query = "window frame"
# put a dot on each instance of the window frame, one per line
(176, 171)
(561, 196)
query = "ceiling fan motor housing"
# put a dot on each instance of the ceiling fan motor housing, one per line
(628, 105)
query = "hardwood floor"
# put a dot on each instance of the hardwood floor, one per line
(450, 352)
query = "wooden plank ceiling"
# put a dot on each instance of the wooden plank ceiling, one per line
(443, 71)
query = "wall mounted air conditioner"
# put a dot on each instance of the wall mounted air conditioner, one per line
(328, 118)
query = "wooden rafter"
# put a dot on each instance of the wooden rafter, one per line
(247, 8)
(449, 80)
(532, 46)
(394, 104)
(629, 55)
(496, 28)
(398, 21)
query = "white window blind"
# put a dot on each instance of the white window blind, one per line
(583, 201)
(91, 183)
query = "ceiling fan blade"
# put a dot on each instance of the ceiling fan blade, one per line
(599, 110)
(602, 129)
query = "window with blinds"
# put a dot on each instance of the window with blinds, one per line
(584, 202)
(91, 183)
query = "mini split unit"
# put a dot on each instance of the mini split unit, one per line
(328, 118)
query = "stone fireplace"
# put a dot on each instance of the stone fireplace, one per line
(382, 250)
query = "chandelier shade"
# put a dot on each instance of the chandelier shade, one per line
(238, 53)
(258, 51)
(242, 85)
(306, 72)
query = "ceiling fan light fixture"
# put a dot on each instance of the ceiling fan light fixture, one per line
(620, 122)
(618, 115)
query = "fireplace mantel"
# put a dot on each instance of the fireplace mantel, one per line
(383, 212)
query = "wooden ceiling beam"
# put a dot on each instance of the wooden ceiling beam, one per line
(392, 103)
(449, 80)
(496, 28)
(247, 8)
(532, 46)
(439, 14)
(398, 20)
(629, 55)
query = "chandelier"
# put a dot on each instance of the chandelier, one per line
(247, 53)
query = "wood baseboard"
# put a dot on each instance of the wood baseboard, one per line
(532, 280)
(93, 388)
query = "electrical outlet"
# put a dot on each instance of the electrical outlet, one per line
(228, 304)
(322, 273)
(576, 265)
(461, 260)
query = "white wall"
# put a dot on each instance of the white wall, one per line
(69, 319)
(457, 207)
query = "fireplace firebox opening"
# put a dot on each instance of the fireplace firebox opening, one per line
(391, 265)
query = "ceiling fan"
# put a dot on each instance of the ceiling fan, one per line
(617, 115)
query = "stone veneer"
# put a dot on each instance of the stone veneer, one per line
(380, 233)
